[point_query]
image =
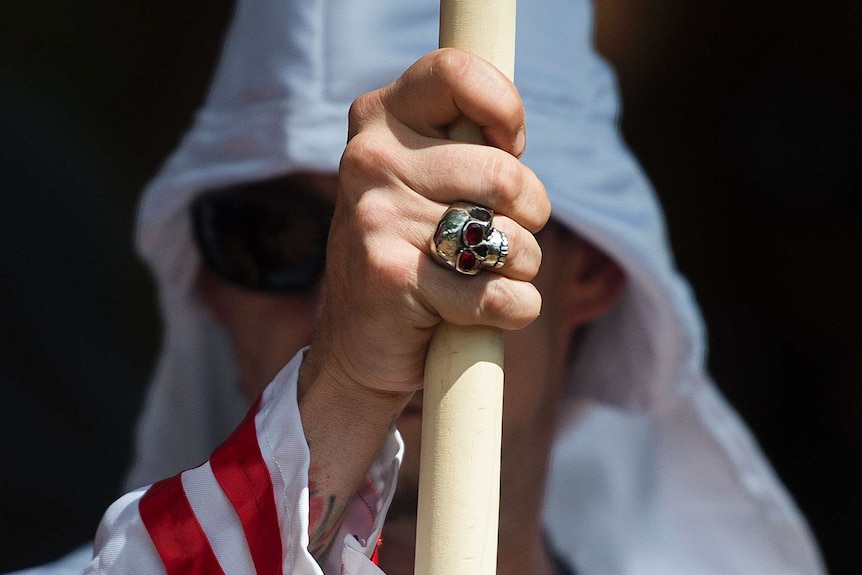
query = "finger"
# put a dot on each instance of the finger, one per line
(486, 299)
(389, 222)
(447, 173)
(525, 255)
(448, 84)
(478, 174)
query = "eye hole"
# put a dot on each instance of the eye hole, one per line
(267, 235)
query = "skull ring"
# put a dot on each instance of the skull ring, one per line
(466, 242)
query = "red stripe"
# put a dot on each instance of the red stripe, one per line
(241, 472)
(175, 531)
(375, 557)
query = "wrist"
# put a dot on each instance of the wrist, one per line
(328, 381)
(345, 424)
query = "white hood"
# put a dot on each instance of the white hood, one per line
(655, 474)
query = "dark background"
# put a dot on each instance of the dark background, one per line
(746, 118)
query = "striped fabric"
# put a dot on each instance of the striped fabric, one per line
(175, 531)
(245, 510)
(239, 469)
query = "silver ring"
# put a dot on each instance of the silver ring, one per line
(466, 242)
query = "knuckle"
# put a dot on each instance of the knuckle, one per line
(388, 277)
(364, 156)
(382, 266)
(369, 215)
(503, 179)
(449, 64)
(361, 110)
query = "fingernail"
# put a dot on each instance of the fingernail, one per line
(521, 141)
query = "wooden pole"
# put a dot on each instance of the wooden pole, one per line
(459, 482)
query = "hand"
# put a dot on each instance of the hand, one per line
(385, 293)
(399, 173)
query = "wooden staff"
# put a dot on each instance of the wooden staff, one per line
(459, 481)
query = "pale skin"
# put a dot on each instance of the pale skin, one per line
(370, 320)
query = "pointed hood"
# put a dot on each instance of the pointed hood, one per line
(659, 476)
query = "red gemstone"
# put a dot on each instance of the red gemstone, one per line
(473, 234)
(466, 261)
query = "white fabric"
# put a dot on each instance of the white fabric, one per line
(652, 473)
